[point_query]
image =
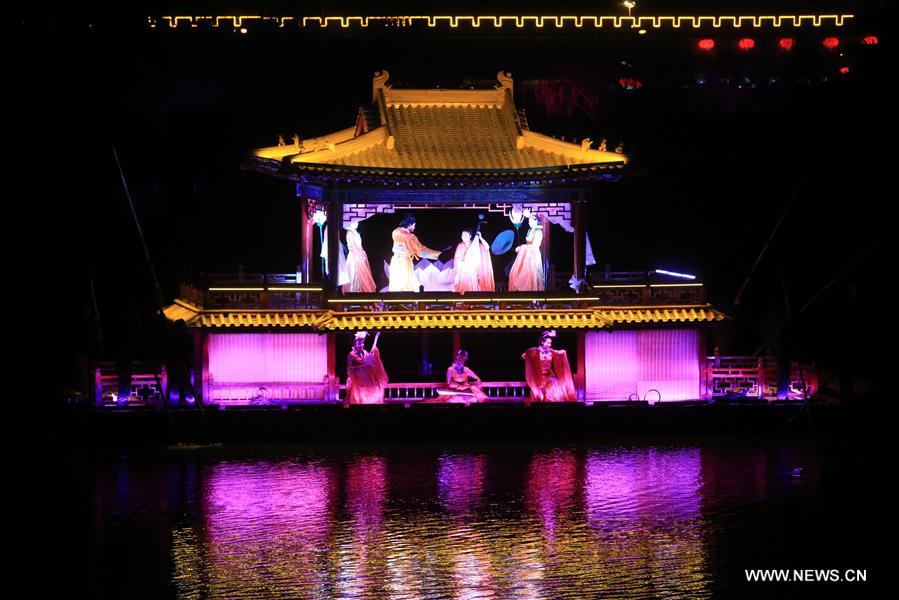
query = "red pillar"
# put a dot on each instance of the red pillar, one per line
(307, 206)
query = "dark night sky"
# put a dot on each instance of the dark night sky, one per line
(721, 159)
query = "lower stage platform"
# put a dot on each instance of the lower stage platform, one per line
(490, 421)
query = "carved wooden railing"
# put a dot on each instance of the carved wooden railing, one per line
(146, 386)
(735, 377)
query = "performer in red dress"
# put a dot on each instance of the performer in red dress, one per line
(548, 373)
(366, 377)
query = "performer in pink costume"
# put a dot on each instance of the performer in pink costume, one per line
(460, 378)
(473, 266)
(358, 269)
(527, 274)
(548, 373)
(366, 377)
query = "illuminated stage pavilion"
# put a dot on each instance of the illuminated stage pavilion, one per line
(283, 339)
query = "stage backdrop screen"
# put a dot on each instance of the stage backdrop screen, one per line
(453, 256)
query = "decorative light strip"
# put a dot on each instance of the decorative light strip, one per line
(236, 289)
(654, 285)
(294, 289)
(674, 274)
(518, 21)
(615, 287)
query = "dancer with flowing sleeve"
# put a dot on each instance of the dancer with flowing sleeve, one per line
(527, 274)
(358, 269)
(407, 248)
(365, 374)
(548, 373)
(473, 266)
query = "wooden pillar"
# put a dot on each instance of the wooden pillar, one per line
(306, 237)
(201, 365)
(333, 241)
(425, 368)
(457, 342)
(578, 221)
(581, 382)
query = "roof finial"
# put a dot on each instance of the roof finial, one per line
(379, 81)
(505, 80)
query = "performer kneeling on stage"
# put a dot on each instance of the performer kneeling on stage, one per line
(365, 374)
(462, 381)
(548, 373)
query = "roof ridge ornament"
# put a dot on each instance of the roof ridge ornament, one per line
(379, 82)
(505, 80)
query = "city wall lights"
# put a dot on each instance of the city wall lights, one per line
(706, 44)
(830, 43)
(870, 40)
(746, 44)
(689, 22)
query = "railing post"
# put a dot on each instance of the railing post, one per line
(98, 387)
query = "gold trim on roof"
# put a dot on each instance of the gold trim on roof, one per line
(583, 318)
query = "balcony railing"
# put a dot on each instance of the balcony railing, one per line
(285, 291)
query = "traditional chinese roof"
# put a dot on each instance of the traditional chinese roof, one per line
(436, 134)
(584, 318)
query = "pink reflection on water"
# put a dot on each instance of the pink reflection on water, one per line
(654, 484)
(361, 564)
(460, 481)
(552, 487)
(274, 514)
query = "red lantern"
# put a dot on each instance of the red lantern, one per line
(630, 84)
(706, 44)
(844, 70)
(786, 44)
(870, 40)
(746, 44)
(831, 43)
